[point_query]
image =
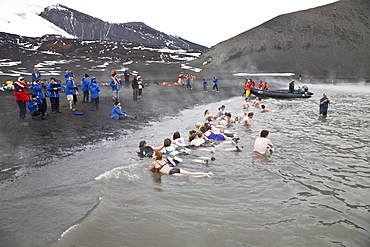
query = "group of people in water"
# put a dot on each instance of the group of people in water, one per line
(209, 135)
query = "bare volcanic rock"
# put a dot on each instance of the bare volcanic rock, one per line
(328, 41)
(86, 27)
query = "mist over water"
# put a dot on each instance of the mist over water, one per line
(313, 191)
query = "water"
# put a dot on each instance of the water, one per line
(313, 191)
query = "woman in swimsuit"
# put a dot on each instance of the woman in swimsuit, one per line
(160, 165)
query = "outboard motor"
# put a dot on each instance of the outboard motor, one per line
(303, 89)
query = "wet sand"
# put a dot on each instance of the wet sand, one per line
(63, 134)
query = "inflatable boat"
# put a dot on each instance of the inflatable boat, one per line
(282, 94)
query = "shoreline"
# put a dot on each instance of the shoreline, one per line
(62, 135)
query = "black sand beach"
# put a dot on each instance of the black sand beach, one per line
(65, 133)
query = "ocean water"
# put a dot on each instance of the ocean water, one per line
(313, 191)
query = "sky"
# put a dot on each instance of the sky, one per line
(203, 22)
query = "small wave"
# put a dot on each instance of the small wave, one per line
(66, 231)
(125, 171)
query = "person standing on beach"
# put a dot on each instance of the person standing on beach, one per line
(22, 98)
(140, 86)
(127, 74)
(35, 75)
(54, 88)
(67, 74)
(95, 89)
(135, 87)
(115, 84)
(324, 105)
(85, 88)
(215, 84)
(188, 82)
(262, 144)
(205, 85)
(70, 92)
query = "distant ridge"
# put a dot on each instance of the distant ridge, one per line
(328, 41)
(86, 27)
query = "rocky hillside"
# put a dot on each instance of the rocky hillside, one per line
(86, 27)
(15, 46)
(328, 41)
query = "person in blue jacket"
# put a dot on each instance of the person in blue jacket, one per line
(116, 111)
(54, 88)
(115, 84)
(35, 107)
(70, 92)
(205, 85)
(37, 88)
(67, 74)
(85, 88)
(95, 89)
(215, 84)
(35, 75)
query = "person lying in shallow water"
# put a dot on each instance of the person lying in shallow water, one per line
(145, 150)
(160, 165)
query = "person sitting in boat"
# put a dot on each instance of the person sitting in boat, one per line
(266, 86)
(291, 87)
(261, 85)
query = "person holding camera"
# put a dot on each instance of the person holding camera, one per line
(37, 88)
(35, 107)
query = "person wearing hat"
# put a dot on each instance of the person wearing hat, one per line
(21, 97)
(291, 87)
(140, 85)
(85, 88)
(115, 83)
(35, 107)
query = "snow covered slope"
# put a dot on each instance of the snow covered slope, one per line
(22, 18)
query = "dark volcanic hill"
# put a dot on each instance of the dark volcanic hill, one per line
(328, 41)
(86, 27)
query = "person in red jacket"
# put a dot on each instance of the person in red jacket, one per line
(22, 98)
(260, 85)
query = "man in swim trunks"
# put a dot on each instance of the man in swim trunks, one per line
(262, 144)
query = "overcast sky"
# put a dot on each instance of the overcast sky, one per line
(201, 21)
